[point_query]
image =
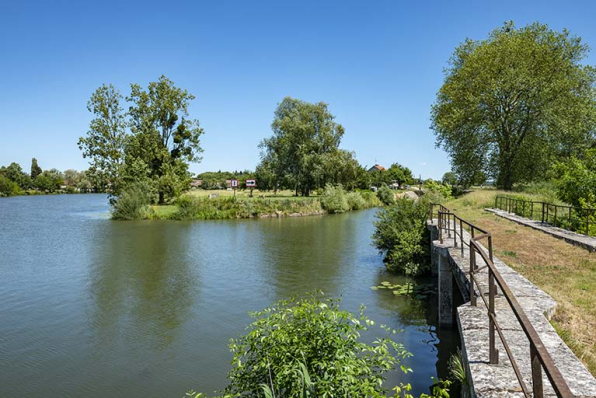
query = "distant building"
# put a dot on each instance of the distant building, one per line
(376, 167)
(196, 183)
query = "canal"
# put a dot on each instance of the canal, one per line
(91, 307)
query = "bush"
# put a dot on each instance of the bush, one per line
(316, 338)
(133, 203)
(356, 201)
(401, 234)
(437, 192)
(334, 199)
(8, 187)
(386, 195)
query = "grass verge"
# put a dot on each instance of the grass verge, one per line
(566, 272)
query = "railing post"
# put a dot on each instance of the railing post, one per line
(449, 225)
(542, 212)
(455, 231)
(556, 215)
(461, 235)
(531, 210)
(492, 291)
(536, 372)
(472, 269)
(440, 226)
(587, 223)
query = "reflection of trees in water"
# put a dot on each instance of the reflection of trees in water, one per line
(141, 283)
(307, 253)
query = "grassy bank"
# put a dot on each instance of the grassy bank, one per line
(197, 205)
(566, 272)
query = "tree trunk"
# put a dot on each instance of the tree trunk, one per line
(161, 198)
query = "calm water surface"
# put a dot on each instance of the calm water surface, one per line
(95, 308)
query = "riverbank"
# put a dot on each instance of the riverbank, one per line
(192, 207)
(566, 272)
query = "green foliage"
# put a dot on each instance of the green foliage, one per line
(158, 146)
(514, 102)
(203, 208)
(106, 138)
(334, 199)
(401, 235)
(356, 201)
(576, 182)
(133, 203)
(386, 195)
(311, 337)
(437, 192)
(304, 147)
(35, 169)
(449, 178)
(8, 187)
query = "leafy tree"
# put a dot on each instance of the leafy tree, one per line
(35, 169)
(311, 337)
(304, 136)
(8, 187)
(163, 137)
(105, 141)
(515, 101)
(401, 235)
(449, 178)
(400, 174)
(15, 173)
(576, 180)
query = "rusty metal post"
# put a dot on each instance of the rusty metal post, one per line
(536, 373)
(532, 210)
(569, 218)
(492, 291)
(587, 223)
(472, 269)
(490, 247)
(449, 224)
(542, 212)
(556, 215)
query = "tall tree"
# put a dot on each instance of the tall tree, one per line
(35, 169)
(106, 138)
(515, 101)
(164, 140)
(303, 135)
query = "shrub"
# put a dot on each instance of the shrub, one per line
(334, 199)
(311, 337)
(401, 234)
(133, 203)
(437, 192)
(356, 201)
(8, 187)
(386, 195)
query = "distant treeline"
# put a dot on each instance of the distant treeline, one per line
(15, 181)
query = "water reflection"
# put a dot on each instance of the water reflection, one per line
(142, 284)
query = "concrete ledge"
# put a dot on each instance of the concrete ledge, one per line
(584, 241)
(500, 380)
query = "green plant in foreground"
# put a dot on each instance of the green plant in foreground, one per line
(334, 199)
(322, 337)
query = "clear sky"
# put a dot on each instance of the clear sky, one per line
(378, 64)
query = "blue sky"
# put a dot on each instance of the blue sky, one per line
(378, 64)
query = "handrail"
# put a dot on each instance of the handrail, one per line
(539, 356)
(548, 212)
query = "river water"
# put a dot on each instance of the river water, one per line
(91, 307)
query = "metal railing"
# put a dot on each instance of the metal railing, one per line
(571, 218)
(540, 359)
